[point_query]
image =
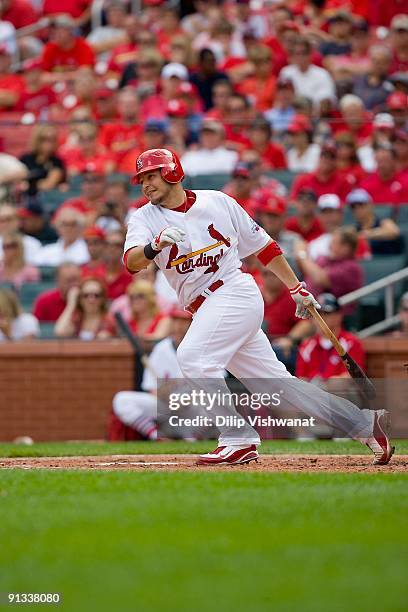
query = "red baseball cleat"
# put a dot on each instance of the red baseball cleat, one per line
(379, 443)
(230, 455)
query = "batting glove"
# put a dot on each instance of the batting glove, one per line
(303, 298)
(167, 237)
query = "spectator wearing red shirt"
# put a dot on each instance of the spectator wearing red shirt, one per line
(20, 13)
(127, 52)
(317, 358)
(95, 239)
(66, 52)
(271, 215)
(305, 223)
(35, 96)
(124, 135)
(11, 85)
(50, 304)
(283, 328)
(260, 87)
(339, 273)
(387, 185)
(272, 155)
(221, 93)
(92, 195)
(397, 106)
(241, 187)
(88, 154)
(117, 278)
(239, 117)
(80, 10)
(348, 164)
(325, 179)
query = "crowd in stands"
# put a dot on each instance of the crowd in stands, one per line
(301, 105)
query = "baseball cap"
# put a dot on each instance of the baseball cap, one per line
(340, 15)
(272, 204)
(32, 209)
(360, 25)
(94, 232)
(358, 196)
(284, 83)
(329, 201)
(383, 121)
(328, 303)
(174, 69)
(155, 125)
(63, 21)
(307, 194)
(178, 313)
(242, 169)
(397, 100)
(103, 93)
(299, 123)
(177, 108)
(399, 22)
(212, 126)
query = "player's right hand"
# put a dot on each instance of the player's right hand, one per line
(167, 237)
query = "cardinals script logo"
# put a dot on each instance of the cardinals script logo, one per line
(186, 263)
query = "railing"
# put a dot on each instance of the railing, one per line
(388, 283)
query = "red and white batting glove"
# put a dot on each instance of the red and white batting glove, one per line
(167, 237)
(303, 298)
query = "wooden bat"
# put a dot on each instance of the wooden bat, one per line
(364, 383)
(182, 258)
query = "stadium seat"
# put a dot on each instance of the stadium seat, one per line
(47, 331)
(51, 200)
(384, 211)
(47, 273)
(30, 291)
(377, 268)
(286, 177)
(402, 213)
(207, 181)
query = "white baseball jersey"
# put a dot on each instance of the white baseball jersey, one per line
(219, 233)
(164, 364)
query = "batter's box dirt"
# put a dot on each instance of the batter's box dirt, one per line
(173, 463)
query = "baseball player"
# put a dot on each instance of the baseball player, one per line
(198, 239)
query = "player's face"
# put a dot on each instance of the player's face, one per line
(154, 187)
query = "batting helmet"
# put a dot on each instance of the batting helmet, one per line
(163, 159)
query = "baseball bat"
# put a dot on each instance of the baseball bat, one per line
(364, 383)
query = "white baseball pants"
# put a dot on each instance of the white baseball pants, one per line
(226, 334)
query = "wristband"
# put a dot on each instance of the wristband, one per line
(149, 252)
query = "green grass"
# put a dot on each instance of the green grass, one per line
(270, 447)
(201, 542)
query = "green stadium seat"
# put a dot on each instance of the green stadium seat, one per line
(402, 213)
(207, 181)
(48, 273)
(384, 211)
(47, 331)
(286, 177)
(51, 200)
(377, 268)
(30, 291)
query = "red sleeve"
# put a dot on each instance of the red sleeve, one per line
(38, 309)
(85, 56)
(48, 57)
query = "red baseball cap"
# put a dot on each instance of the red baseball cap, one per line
(178, 313)
(104, 93)
(299, 123)
(397, 100)
(94, 232)
(272, 204)
(177, 108)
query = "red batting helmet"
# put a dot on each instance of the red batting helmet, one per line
(167, 161)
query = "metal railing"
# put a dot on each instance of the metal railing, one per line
(388, 283)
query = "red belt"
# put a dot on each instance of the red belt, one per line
(195, 304)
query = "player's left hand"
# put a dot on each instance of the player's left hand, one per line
(303, 299)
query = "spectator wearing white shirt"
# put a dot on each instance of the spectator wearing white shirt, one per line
(331, 218)
(303, 154)
(212, 157)
(15, 324)
(9, 222)
(308, 80)
(70, 247)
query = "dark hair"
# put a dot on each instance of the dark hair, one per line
(205, 53)
(348, 236)
(305, 43)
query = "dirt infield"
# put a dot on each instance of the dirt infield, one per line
(174, 463)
